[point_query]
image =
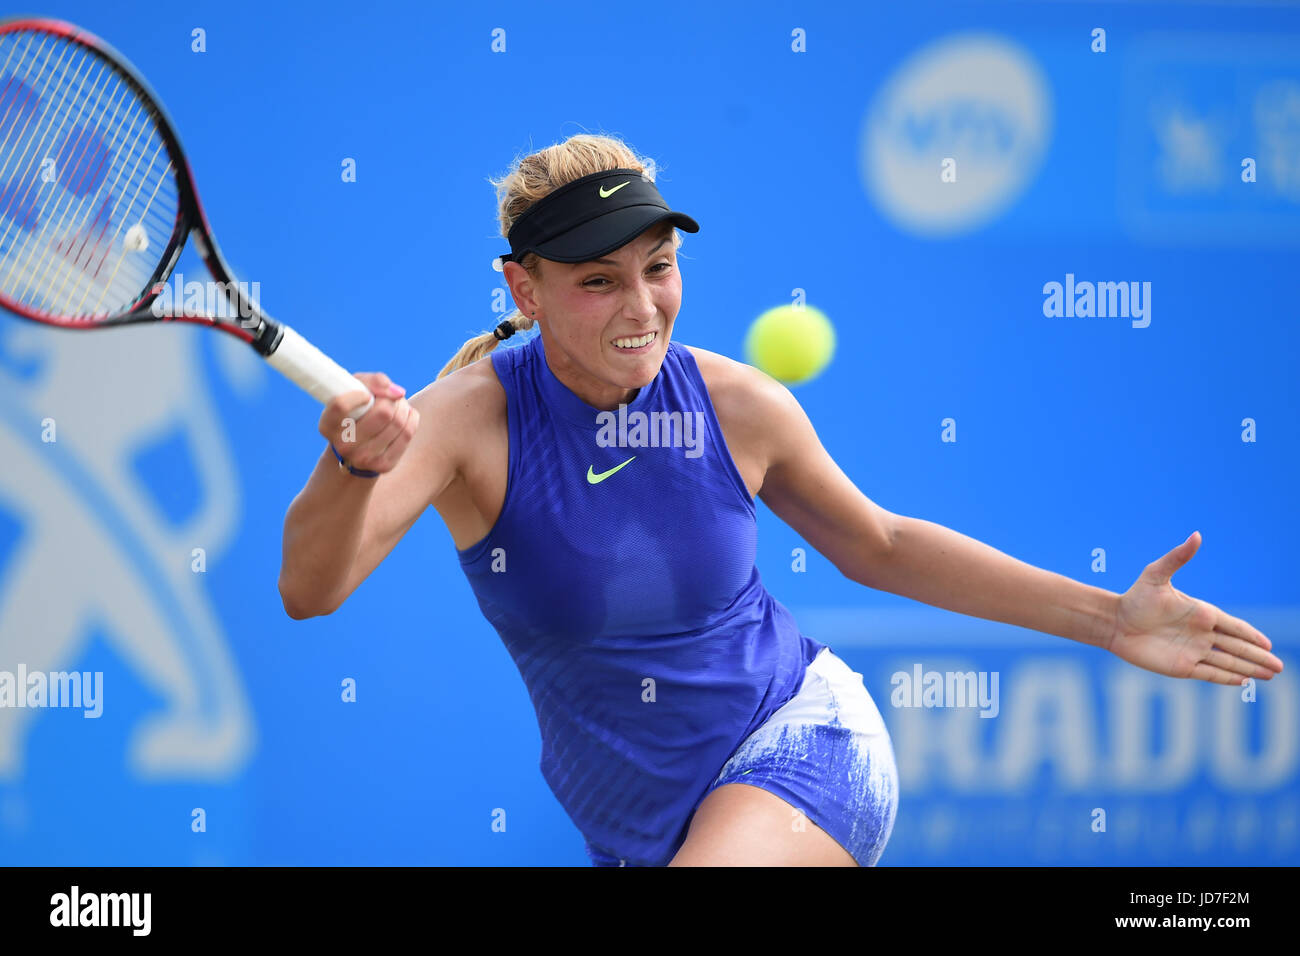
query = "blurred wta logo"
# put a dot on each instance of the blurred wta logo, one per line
(956, 134)
(94, 539)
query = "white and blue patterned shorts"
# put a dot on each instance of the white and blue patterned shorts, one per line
(827, 753)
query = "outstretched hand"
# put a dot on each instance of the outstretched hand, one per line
(1161, 629)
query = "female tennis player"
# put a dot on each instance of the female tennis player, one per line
(685, 720)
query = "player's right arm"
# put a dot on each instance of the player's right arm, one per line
(341, 526)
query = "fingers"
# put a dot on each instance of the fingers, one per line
(1237, 636)
(401, 440)
(1250, 653)
(337, 413)
(382, 452)
(1159, 571)
(377, 440)
(1239, 666)
(1227, 624)
(379, 451)
(377, 383)
(1238, 639)
(1239, 654)
(1216, 675)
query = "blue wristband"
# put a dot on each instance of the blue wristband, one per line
(359, 472)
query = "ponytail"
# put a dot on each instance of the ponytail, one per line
(481, 345)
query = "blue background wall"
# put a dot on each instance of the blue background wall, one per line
(1073, 433)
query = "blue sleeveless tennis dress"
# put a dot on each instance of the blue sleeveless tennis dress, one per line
(620, 575)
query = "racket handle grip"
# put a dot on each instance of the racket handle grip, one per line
(315, 372)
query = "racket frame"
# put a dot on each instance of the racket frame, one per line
(301, 361)
(254, 327)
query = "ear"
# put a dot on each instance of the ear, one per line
(522, 287)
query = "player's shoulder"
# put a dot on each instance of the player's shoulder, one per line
(467, 401)
(736, 386)
(715, 366)
(473, 388)
(751, 405)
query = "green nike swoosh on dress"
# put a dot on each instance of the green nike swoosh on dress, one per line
(595, 479)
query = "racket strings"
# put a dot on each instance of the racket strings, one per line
(93, 234)
(75, 176)
(27, 199)
(88, 193)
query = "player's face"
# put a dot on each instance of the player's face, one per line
(606, 324)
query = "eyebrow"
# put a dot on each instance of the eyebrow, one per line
(611, 262)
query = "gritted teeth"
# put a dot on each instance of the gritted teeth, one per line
(633, 342)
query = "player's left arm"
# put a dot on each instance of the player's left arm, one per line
(909, 556)
(1152, 625)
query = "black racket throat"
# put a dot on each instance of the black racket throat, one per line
(248, 321)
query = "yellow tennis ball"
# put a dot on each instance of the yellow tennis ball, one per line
(792, 343)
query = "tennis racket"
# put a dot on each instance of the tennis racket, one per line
(97, 201)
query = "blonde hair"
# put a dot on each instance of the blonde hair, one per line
(530, 179)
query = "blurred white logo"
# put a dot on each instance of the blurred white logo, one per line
(956, 134)
(1277, 120)
(96, 552)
